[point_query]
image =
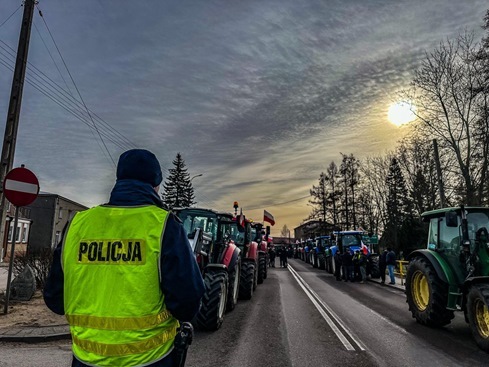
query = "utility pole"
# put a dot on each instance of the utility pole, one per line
(438, 172)
(12, 125)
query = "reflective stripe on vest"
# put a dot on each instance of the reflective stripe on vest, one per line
(112, 295)
(113, 350)
(118, 323)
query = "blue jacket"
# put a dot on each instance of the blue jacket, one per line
(391, 258)
(181, 282)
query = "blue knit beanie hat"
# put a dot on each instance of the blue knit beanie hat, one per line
(141, 165)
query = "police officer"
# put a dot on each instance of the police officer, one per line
(124, 273)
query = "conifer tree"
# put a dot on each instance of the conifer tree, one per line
(178, 190)
(399, 207)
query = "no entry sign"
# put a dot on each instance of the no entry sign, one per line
(21, 186)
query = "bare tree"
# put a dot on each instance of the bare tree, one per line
(285, 232)
(319, 200)
(332, 180)
(374, 172)
(447, 97)
(415, 157)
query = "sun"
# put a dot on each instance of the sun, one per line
(401, 113)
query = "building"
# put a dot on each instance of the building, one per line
(49, 214)
(283, 241)
(311, 229)
(22, 232)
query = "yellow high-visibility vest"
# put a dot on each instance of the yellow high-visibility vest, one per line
(112, 295)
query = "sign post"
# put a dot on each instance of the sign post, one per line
(21, 188)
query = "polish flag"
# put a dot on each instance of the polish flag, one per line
(364, 249)
(268, 217)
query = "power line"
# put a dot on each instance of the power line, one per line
(62, 103)
(10, 16)
(47, 82)
(76, 87)
(52, 58)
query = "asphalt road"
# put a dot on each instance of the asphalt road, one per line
(303, 317)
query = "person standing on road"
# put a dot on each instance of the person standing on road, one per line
(362, 266)
(347, 261)
(391, 264)
(271, 257)
(337, 265)
(383, 266)
(283, 257)
(124, 273)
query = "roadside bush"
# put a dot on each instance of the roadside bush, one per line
(40, 264)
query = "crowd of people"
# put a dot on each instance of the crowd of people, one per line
(349, 265)
(353, 265)
(283, 254)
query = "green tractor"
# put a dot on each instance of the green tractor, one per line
(452, 274)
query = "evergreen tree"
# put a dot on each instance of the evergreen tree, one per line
(178, 190)
(399, 207)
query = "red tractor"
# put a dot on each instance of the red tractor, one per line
(219, 259)
(264, 242)
(243, 238)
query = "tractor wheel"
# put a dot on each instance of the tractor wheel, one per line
(373, 265)
(267, 260)
(332, 265)
(233, 291)
(255, 276)
(426, 294)
(315, 261)
(478, 314)
(213, 305)
(329, 264)
(246, 280)
(262, 268)
(321, 261)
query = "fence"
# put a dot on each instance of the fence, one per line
(401, 269)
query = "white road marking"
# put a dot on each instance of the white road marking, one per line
(321, 307)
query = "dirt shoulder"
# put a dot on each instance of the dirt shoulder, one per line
(29, 313)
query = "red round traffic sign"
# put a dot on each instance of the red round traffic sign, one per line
(21, 186)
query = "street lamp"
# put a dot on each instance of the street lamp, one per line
(200, 174)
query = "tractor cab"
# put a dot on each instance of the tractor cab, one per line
(461, 242)
(210, 236)
(348, 241)
(352, 241)
(208, 232)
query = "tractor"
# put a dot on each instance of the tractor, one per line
(320, 251)
(262, 238)
(452, 273)
(352, 241)
(219, 260)
(243, 235)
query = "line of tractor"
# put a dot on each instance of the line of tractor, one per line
(320, 251)
(232, 254)
(451, 274)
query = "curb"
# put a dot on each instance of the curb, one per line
(37, 334)
(395, 286)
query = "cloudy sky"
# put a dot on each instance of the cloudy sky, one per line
(258, 96)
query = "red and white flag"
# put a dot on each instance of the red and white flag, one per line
(268, 217)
